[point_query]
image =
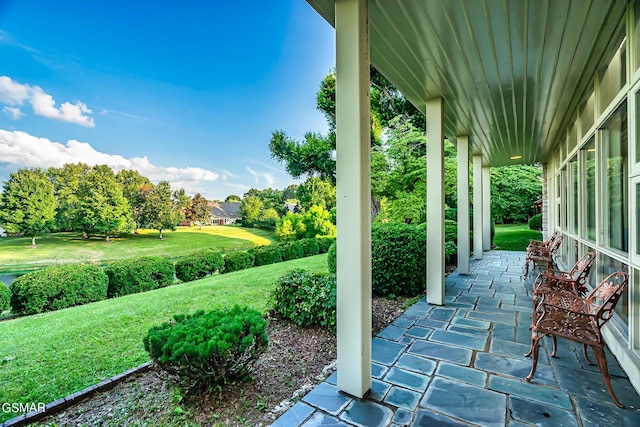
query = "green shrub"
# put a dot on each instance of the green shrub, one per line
(450, 231)
(306, 298)
(331, 258)
(310, 246)
(58, 287)
(133, 275)
(450, 253)
(291, 250)
(325, 243)
(535, 223)
(5, 297)
(264, 255)
(398, 259)
(198, 265)
(239, 260)
(204, 350)
(451, 213)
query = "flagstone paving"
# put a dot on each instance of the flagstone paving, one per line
(463, 364)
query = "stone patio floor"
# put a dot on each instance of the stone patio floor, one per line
(462, 364)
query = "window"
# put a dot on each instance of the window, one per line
(613, 76)
(589, 172)
(574, 201)
(637, 219)
(586, 117)
(606, 266)
(615, 181)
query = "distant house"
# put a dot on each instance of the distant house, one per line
(223, 213)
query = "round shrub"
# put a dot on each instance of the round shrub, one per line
(239, 260)
(535, 223)
(398, 259)
(331, 258)
(264, 255)
(198, 265)
(291, 250)
(204, 350)
(310, 246)
(450, 231)
(325, 243)
(306, 298)
(58, 287)
(5, 297)
(130, 276)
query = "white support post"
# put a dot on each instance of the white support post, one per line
(463, 204)
(435, 201)
(477, 206)
(486, 208)
(353, 197)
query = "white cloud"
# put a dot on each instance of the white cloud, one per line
(25, 150)
(268, 178)
(13, 112)
(16, 94)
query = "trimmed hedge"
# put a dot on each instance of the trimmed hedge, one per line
(535, 223)
(265, 255)
(130, 276)
(204, 350)
(235, 261)
(325, 243)
(310, 246)
(58, 287)
(291, 250)
(306, 298)
(5, 297)
(198, 265)
(331, 258)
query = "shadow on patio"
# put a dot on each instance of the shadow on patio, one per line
(463, 364)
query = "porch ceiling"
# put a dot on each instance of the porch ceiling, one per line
(511, 72)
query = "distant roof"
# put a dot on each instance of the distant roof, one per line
(225, 209)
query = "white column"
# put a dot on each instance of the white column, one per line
(477, 206)
(463, 204)
(486, 208)
(435, 201)
(353, 196)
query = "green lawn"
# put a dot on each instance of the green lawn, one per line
(48, 356)
(16, 254)
(514, 237)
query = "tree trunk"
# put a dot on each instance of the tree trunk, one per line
(160, 234)
(375, 207)
(107, 239)
(33, 240)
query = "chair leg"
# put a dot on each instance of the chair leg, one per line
(535, 346)
(602, 364)
(586, 356)
(533, 340)
(555, 345)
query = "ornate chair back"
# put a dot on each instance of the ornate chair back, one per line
(601, 302)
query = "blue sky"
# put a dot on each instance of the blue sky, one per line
(185, 91)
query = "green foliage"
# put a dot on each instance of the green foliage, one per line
(312, 156)
(316, 192)
(158, 210)
(264, 255)
(317, 222)
(198, 211)
(58, 287)
(514, 189)
(310, 247)
(233, 198)
(306, 298)
(5, 297)
(239, 260)
(66, 181)
(291, 250)
(250, 209)
(450, 231)
(325, 243)
(450, 252)
(204, 350)
(535, 223)
(27, 203)
(198, 265)
(398, 258)
(267, 219)
(332, 258)
(290, 227)
(134, 186)
(133, 275)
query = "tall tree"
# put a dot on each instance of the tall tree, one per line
(514, 189)
(181, 202)
(159, 210)
(250, 209)
(316, 192)
(199, 210)
(65, 186)
(132, 182)
(102, 208)
(27, 203)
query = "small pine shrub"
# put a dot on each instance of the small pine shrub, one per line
(535, 223)
(130, 276)
(325, 243)
(204, 350)
(58, 287)
(239, 260)
(264, 255)
(5, 297)
(198, 265)
(291, 250)
(306, 298)
(331, 258)
(310, 246)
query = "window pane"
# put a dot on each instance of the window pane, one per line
(616, 180)
(637, 127)
(574, 166)
(637, 219)
(589, 156)
(613, 77)
(587, 114)
(606, 266)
